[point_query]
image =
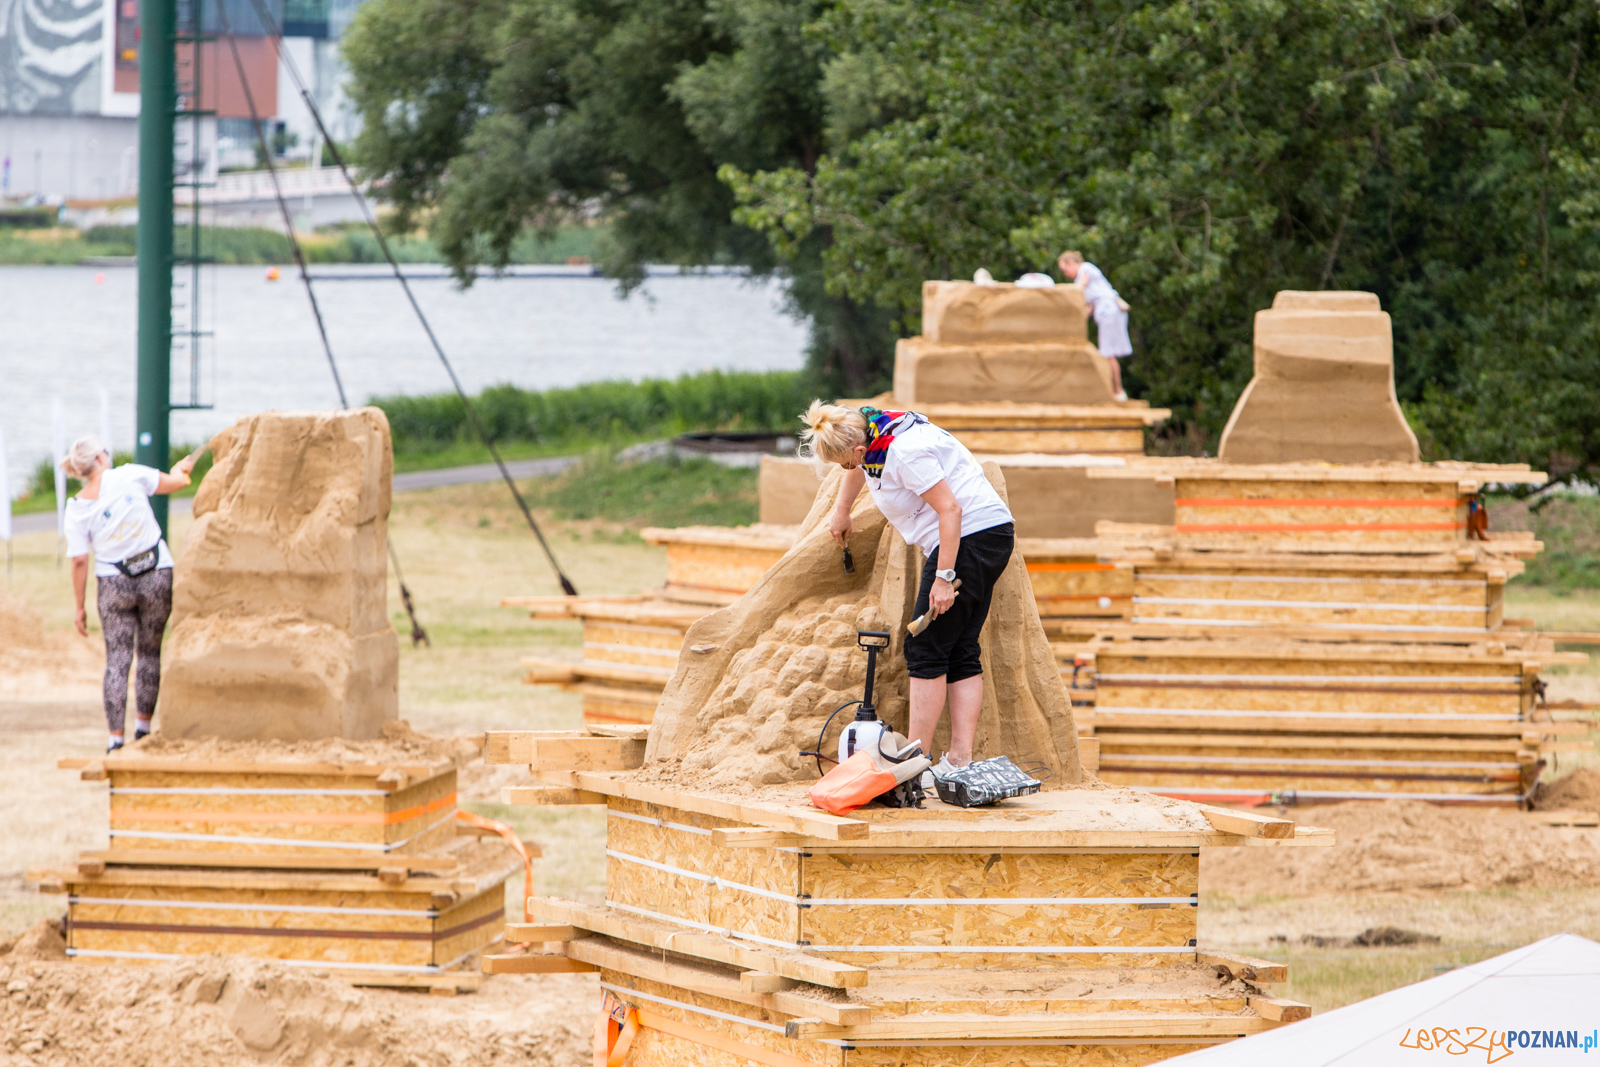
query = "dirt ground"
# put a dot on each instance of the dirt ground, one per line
(1481, 883)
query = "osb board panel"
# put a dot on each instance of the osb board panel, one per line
(627, 633)
(712, 567)
(639, 657)
(1047, 582)
(330, 950)
(1015, 1055)
(1367, 591)
(1011, 961)
(489, 904)
(1371, 700)
(654, 1049)
(1315, 615)
(1002, 926)
(1114, 660)
(859, 876)
(691, 898)
(1407, 780)
(1112, 442)
(1191, 487)
(309, 837)
(1068, 1005)
(202, 779)
(604, 710)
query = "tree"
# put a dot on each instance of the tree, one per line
(1211, 152)
(489, 116)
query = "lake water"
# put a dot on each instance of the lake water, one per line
(64, 334)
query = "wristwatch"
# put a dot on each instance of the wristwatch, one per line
(949, 575)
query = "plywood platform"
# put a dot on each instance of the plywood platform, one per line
(756, 926)
(379, 928)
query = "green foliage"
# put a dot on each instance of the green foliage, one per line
(1569, 526)
(1210, 154)
(658, 493)
(715, 400)
(493, 116)
(13, 217)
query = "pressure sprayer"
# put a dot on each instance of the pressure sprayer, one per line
(867, 728)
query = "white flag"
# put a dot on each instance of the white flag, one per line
(5, 491)
(105, 419)
(58, 451)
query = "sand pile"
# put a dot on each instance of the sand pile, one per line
(1401, 846)
(756, 680)
(399, 745)
(228, 1010)
(280, 624)
(42, 666)
(1579, 790)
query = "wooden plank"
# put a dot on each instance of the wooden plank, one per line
(1245, 968)
(524, 933)
(1247, 823)
(586, 754)
(812, 824)
(1278, 1009)
(1564, 818)
(513, 746)
(416, 772)
(544, 795)
(668, 937)
(765, 982)
(537, 963)
(1089, 754)
(167, 857)
(758, 837)
(637, 733)
(978, 1026)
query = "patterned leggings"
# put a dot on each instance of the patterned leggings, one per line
(133, 614)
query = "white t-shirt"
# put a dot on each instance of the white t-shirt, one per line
(1096, 289)
(917, 461)
(119, 523)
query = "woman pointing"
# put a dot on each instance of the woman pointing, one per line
(930, 488)
(133, 572)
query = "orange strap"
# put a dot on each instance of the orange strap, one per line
(517, 846)
(612, 1039)
(1036, 568)
(288, 818)
(722, 1042)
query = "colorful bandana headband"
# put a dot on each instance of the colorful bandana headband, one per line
(882, 426)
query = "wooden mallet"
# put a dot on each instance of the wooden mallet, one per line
(920, 623)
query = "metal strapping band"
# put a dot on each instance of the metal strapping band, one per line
(710, 879)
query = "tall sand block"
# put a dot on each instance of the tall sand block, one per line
(280, 600)
(785, 490)
(755, 680)
(984, 343)
(1323, 386)
(1053, 496)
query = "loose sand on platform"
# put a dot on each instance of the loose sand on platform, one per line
(215, 1010)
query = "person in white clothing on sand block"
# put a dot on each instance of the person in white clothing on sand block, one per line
(1110, 312)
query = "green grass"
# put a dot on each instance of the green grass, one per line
(658, 493)
(344, 243)
(40, 493)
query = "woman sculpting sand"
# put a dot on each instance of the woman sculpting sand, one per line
(930, 488)
(132, 568)
(1110, 313)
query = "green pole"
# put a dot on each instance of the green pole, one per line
(158, 102)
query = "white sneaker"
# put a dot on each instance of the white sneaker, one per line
(927, 783)
(1120, 398)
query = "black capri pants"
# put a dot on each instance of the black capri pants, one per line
(949, 646)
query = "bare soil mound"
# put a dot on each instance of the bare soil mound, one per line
(228, 1010)
(1407, 846)
(39, 665)
(1579, 790)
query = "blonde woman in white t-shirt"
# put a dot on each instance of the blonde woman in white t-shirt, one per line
(1109, 309)
(930, 488)
(111, 517)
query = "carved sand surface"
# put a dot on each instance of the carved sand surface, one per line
(998, 342)
(233, 1010)
(757, 679)
(280, 617)
(1323, 386)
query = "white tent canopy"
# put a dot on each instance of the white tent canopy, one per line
(1539, 1004)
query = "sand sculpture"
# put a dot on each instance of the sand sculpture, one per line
(761, 674)
(1323, 386)
(280, 613)
(997, 343)
(787, 486)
